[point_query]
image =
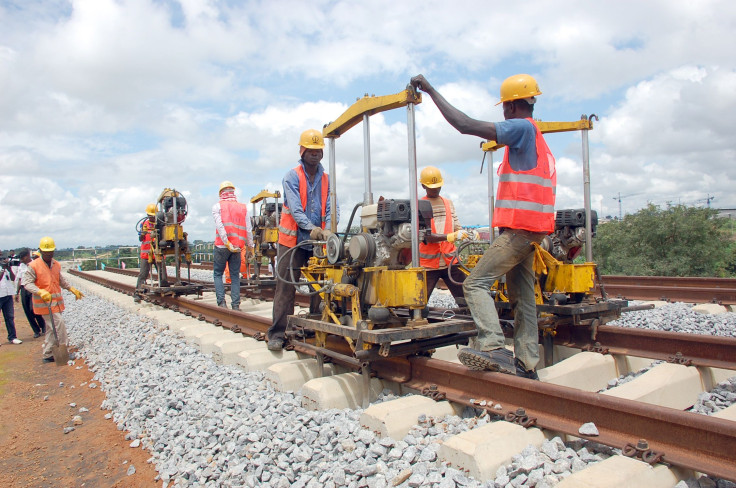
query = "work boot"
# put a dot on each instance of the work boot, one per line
(236, 308)
(222, 305)
(500, 360)
(522, 372)
(136, 298)
(49, 359)
(275, 344)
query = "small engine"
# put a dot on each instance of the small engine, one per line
(386, 236)
(566, 242)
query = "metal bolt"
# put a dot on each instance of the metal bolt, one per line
(520, 412)
(642, 445)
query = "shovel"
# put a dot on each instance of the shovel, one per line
(60, 352)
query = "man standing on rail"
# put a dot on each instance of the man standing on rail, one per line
(146, 236)
(44, 279)
(438, 249)
(524, 214)
(233, 233)
(306, 215)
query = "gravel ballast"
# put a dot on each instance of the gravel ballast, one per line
(207, 424)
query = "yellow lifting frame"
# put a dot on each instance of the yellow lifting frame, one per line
(265, 194)
(548, 128)
(369, 105)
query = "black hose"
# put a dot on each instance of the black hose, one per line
(289, 253)
(458, 249)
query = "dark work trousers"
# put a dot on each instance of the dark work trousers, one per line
(145, 270)
(283, 300)
(38, 324)
(434, 275)
(6, 304)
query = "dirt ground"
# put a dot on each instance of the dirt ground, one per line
(34, 451)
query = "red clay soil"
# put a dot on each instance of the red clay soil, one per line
(34, 451)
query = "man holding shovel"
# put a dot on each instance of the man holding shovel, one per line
(44, 279)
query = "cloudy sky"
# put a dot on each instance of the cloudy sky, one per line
(104, 103)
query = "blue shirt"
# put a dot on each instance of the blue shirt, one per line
(521, 138)
(310, 217)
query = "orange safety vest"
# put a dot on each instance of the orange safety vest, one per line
(47, 279)
(147, 227)
(429, 254)
(288, 226)
(526, 199)
(233, 215)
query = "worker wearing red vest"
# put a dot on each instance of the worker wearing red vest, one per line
(232, 233)
(438, 249)
(524, 213)
(306, 215)
(44, 279)
(148, 227)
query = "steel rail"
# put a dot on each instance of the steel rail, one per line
(689, 440)
(699, 442)
(688, 349)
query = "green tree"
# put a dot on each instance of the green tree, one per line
(675, 241)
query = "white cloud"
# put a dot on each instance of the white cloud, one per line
(106, 102)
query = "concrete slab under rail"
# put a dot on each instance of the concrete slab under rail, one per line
(338, 391)
(447, 353)
(712, 376)
(395, 418)
(195, 331)
(631, 364)
(205, 342)
(587, 371)
(481, 451)
(666, 385)
(229, 350)
(291, 375)
(728, 413)
(618, 471)
(215, 347)
(176, 325)
(261, 358)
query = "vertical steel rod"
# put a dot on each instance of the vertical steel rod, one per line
(368, 194)
(413, 185)
(586, 197)
(491, 198)
(333, 188)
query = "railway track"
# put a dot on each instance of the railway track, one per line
(649, 431)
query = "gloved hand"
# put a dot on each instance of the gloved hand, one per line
(454, 236)
(78, 294)
(325, 234)
(232, 248)
(45, 295)
(315, 234)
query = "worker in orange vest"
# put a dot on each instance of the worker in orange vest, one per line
(232, 234)
(438, 249)
(148, 227)
(524, 213)
(43, 278)
(306, 215)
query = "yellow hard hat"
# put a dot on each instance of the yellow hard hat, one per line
(151, 209)
(517, 87)
(226, 184)
(431, 177)
(47, 244)
(36, 254)
(312, 139)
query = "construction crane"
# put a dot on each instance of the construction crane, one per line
(619, 198)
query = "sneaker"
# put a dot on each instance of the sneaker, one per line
(522, 372)
(36, 335)
(48, 360)
(500, 360)
(236, 308)
(222, 305)
(16, 341)
(275, 344)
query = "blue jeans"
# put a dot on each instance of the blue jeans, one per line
(221, 257)
(511, 254)
(6, 304)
